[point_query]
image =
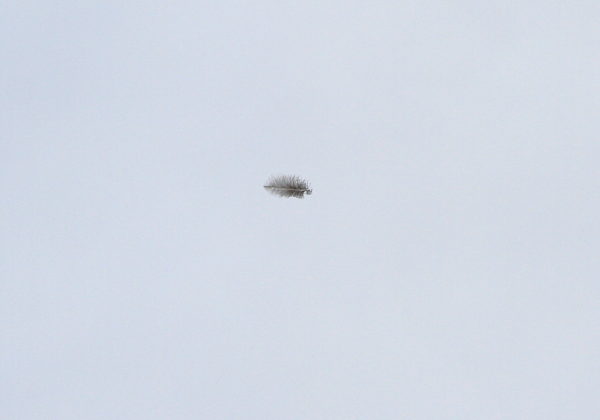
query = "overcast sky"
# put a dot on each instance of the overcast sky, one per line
(446, 265)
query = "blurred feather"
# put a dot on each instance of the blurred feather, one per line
(288, 186)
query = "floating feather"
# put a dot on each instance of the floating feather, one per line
(288, 186)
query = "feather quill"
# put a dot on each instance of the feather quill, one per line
(288, 186)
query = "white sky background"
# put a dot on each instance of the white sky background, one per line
(445, 267)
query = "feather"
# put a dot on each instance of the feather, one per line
(288, 186)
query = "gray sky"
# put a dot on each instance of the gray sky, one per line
(445, 267)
